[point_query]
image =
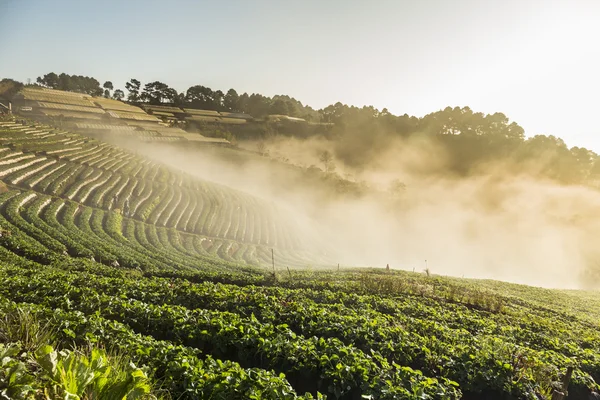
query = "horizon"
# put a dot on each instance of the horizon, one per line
(534, 62)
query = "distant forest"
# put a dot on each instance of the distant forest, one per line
(470, 139)
(196, 96)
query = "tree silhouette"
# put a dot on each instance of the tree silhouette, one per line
(108, 86)
(118, 94)
(133, 87)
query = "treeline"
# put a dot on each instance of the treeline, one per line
(196, 96)
(79, 84)
(203, 97)
(470, 140)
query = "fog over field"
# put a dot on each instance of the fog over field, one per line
(515, 227)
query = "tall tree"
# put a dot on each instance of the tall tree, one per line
(133, 87)
(242, 103)
(231, 101)
(66, 83)
(217, 99)
(155, 92)
(200, 97)
(49, 80)
(108, 86)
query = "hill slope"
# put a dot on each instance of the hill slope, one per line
(112, 249)
(78, 177)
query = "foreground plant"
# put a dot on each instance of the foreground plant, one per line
(69, 375)
(74, 375)
(16, 382)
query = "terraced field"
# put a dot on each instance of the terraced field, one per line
(104, 249)
(112, 118)
(66, 171)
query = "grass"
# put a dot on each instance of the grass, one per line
(21, 326)
(31, 366)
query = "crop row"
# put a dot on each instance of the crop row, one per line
(185, 372)
(54, 226)
(310, 364)
(475, 349)
(87, 171)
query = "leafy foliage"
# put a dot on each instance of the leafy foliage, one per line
(71, 83)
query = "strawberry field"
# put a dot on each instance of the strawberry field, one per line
(102, 249)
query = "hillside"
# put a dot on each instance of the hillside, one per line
(75, 175)
(103, 248)
(99, 116)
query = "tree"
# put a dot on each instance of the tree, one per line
(242, 103)
(108, 86)
(333, 113)
(133, 87)
(155, 92)
(292, 108)
(49, 80)
(200, 97)
(231, 101)
(118, 95)
(258, 105)
(218, 98)
(71, 83)
(65, 82)
(279, 107)
(179, 100)
(295, 108)
(171, 95)
(9, 87)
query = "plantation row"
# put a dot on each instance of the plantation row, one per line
(309, 363)
(184, 372)
(40, 227)
(93, 173)
(343, 343)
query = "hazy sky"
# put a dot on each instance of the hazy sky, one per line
(538, 61)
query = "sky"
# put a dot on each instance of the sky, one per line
(537, 61)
